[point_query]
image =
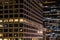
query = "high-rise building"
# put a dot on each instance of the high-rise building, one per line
(21, 20)
(52, 20)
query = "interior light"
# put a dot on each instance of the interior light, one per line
(5, 39)
(1, 34)
(1, 25)
(0, 20)
(6, 20)
(21, 20)
(10, 20)
(20, 39)
(0, 38)
(16, 20)
(40, 32)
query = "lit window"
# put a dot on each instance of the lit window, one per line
(21, 20)
(16, 20)
(6, 20)
(1, 34)
(20, 30)
(10, 20)
(0, 20)
(5, 39)
(16, 39)
(1, 25)
(41, 32)
(0, 38)
(16, 34)
(20, 39)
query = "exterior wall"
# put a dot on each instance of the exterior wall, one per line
(21, 20)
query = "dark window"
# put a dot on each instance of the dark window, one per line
(16, 39)
(10, 2)
(16, 1)
(15, 34)
(10, 11)
(5, 25)
(5, 7)
(5, 16)
(15, 25)
(10, 35)
(5, 30)
(16, 15)
(5, 11)
(10, 6)
(20, 34)
(16, 30)
(21, 1)
(1, 30)
(11, 16)
(21, 15)
(16, 6)
(21, 6)
(1, 16)
(5, 35)
(10, 25)
(1, 11)
(21, 10)
(10, 30)
(1, 7)
(16, 10)
(21, 24)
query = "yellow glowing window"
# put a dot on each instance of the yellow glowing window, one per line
(1, 34)
(15, 20)
(6, 20)
(40, 32)
(21, 20)
(0, 38)
(0, 20)
(1, 25)
(20, 39)
(10, 20)
(6, 39)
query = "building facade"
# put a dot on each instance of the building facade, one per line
(52, 17)
(21, 20)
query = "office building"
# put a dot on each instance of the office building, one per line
(52, 20)
(21, 20)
